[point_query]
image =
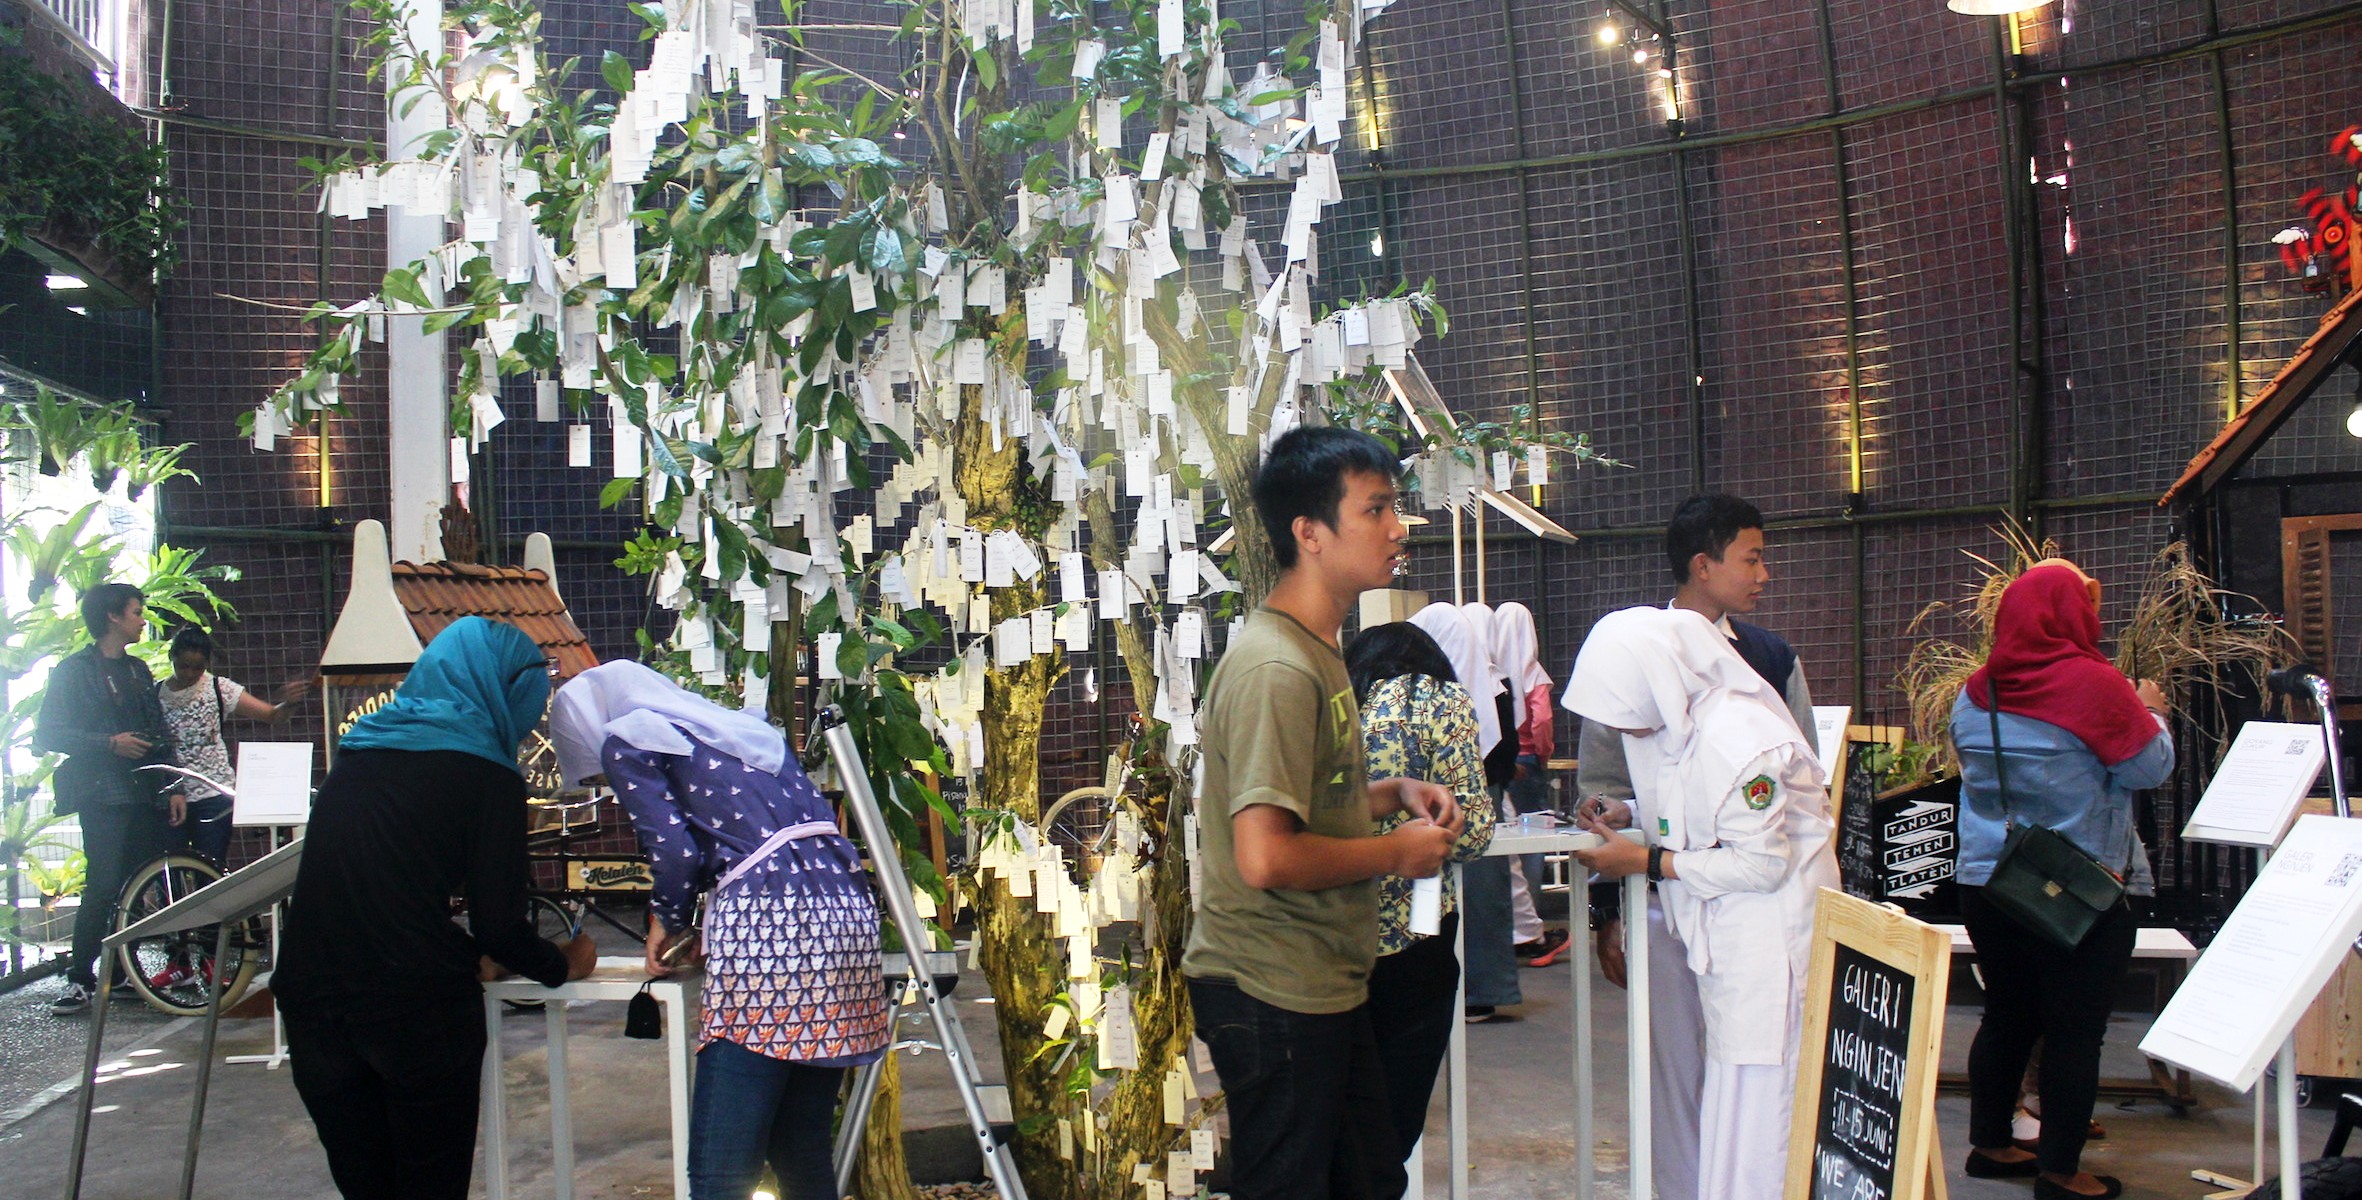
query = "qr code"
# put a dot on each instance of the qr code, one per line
(2297, 746)
(2343, 873)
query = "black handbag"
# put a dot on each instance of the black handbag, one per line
(2043, 881)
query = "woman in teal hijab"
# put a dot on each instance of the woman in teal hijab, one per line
(479, 688)
(377, 983)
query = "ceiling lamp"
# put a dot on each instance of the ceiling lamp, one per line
(1993, 8)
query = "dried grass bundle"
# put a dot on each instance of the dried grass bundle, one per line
(2178, 636)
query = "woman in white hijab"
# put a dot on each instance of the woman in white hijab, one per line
(1517, 655)
(1490, 956)
(1469, 646)
(1739, 837)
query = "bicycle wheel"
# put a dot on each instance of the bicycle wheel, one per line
(172, 971)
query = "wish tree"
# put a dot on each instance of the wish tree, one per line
(919, 416)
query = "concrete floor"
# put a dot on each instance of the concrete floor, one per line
(259, 1145)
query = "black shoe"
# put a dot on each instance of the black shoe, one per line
(1544, 946)
(1478, 1014)
(2046, 1190)
(1984, 1166)
(74, 999)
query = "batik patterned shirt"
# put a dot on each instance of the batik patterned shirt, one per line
(1423, 728)
(791, 940)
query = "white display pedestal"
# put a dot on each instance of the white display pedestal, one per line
(616, 979)
(1512, 838)
(277, 1058)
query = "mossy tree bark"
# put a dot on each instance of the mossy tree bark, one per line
(1024, 965)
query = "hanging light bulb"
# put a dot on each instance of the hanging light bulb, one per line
(1609, 35)
(1377, 245)
(2354, 420)
(1640, 56)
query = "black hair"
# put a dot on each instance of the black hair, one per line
(1382, 652)
(1303, 475)
(101, 604)
(1706, 525)
(193, 640)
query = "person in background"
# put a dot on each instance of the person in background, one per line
(379, 986)
(2077, 739)
(1279, 956)
(795, 991)
(1517, 654)
(1714, 549)
(1417, 723)
(99, 710)
(196, 703)
(1485, 911)
(1739, 842)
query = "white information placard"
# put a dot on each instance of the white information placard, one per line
(274, 784)
(2255, 980)
(2259, 785)
(1829, 722)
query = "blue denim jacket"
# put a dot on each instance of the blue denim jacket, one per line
(2055, 781)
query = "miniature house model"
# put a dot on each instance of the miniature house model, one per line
(395, 608)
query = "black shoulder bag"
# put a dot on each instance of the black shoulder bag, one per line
(2042, 880)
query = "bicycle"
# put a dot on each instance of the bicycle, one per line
(172, 972)
(584, 878)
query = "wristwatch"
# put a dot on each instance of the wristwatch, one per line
(1656, 864)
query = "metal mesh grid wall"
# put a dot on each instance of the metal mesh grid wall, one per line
(1529, 170)
(1774, 328)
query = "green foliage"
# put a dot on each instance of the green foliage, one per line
(78, 551)
(92, 174)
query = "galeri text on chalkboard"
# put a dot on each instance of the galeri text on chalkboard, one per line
(1858, 1118)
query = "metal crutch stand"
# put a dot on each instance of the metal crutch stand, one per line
(902, 909)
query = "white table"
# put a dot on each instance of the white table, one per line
(1510, 838)
(614, 979)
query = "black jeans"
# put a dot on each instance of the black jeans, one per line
(394, 1099)
(117, 839)
(1412, 1014)
(1307, 1099)
(2036, 991)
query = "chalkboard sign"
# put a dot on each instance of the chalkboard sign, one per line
(1864, 1126)
(1855, 789)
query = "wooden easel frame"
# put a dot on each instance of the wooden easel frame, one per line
(1890, 736)
(1908, 946)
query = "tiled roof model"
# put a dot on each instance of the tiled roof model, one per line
(434, 595)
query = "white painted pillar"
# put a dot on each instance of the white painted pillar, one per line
(418, 375)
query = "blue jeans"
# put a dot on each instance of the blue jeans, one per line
(1530, 793)
(207, 830)
(749, 1108)
(1491, 967)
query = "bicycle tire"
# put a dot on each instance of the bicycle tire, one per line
(171, 972)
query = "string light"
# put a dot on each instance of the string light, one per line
(1609, 35)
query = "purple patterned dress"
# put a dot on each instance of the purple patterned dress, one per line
(791, 929)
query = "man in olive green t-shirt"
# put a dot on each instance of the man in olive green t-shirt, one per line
(1279, 957)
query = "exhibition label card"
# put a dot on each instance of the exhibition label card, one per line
(2290, 932)
(273, 785)
(2259, 786)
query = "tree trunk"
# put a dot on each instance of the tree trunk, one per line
(1024, 965)
(884, 1172)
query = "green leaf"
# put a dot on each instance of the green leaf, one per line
(617, 71)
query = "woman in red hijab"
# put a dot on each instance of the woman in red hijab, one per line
(2078, 739)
